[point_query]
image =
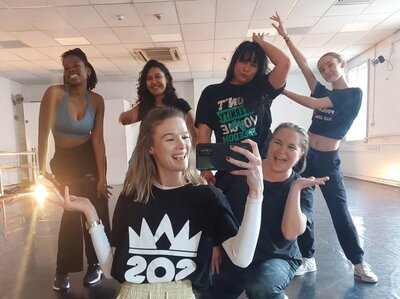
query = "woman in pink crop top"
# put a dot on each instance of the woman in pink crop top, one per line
(75, 116)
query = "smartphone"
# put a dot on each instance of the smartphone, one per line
(212, 156)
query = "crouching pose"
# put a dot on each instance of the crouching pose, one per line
(284, 216)
(166, 220)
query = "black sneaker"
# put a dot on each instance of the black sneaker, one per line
(93, 275)
(61, 282)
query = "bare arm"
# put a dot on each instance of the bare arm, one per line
(46, 118)
(309, 102)
(294, 221)
(297, 55)
(130, 116)
(277, 77)
(98, 144)
(189, 118)
(204, 136)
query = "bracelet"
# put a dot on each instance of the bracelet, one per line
(89, 225)
(286, 38)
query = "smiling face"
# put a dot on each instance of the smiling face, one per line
(75, 71)
(284, 151)
(156, 82)
(170, 149)
(331, 68)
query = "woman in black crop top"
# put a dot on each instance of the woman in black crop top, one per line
(167, 219)
(156, 89)
(74, 114)
(334, 112)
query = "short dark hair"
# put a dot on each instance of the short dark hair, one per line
(92, 79)
(145, 98)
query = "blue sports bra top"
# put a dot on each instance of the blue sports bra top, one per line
(65, 126)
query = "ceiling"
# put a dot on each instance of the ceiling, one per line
(34, 33)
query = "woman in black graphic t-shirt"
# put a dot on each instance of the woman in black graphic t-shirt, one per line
(167, 221)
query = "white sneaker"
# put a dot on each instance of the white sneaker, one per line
(363, 271)
(286, 297)
(308, 265)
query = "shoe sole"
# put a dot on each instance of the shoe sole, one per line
(61, 289)
(88, 283)
(364, 280)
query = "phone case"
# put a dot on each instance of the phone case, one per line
(212, 156)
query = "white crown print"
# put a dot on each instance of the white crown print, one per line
(181, 245)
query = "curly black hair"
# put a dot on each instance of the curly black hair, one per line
(145, 98)
(92, 79)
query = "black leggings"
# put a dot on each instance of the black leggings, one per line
(76, 168)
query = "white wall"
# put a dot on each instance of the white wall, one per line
(377, 159)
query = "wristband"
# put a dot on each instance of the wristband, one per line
(286, 38)
(89, 225)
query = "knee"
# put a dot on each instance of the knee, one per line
(263, 289)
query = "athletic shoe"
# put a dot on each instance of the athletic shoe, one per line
(363, 271)
(93, 275)
(61, 282)
(307, 265)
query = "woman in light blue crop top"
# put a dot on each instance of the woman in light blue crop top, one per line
(74, 114)
(334, 112)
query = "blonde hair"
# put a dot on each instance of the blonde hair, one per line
(142, 171)
(304, 140)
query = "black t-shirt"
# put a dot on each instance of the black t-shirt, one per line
(271, 242)
(171, 236)
(336, 121)
(237, 112)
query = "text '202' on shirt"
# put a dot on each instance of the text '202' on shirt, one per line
(171, 236)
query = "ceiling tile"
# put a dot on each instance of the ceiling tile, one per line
(81, 16)
(266, 8)
(166, 10)
(382, 6)
(343, 10)
(53, 52)
(98, 36)
(198, 11)
(231, 29)
(11, 20)
(226, 45)
(391, 23)
(331, 24)
(132, 34)
(114, 50)
(164, 29)
(310, 8)
(29, 54)
(235, 10)
(373, 37)
(112, 15)
(6, 55)
(203, 46)
(42, 3)
(315, 40)
(198, 31)
(35, 38)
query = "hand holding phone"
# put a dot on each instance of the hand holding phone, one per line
(212, 156)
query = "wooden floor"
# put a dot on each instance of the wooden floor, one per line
(28, 256)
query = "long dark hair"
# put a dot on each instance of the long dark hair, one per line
(92, 78)
(145, 98)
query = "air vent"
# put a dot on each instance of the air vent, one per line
(161, 54)
(352, 2)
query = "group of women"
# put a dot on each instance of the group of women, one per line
(253, 230)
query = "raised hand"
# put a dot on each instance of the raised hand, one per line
(253, 169)
(310, 181)
(258, 38)
(280, 28)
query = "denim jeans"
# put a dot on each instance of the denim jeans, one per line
(266, 280)
(328, 164)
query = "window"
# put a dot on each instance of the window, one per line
(358, 76)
